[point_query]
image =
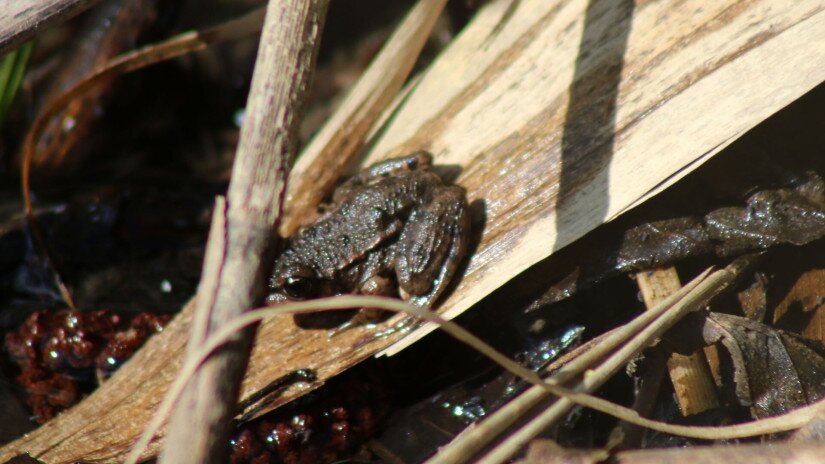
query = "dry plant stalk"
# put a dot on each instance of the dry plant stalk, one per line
(692, 381)
(575, 361)
(546, 106)
(618, 348)
(22, 19)
(122, 64)
(562, 114)
(242, 240)
(336, 145)
(96, 429)
(597, 376)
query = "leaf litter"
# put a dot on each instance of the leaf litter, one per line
(770, 218)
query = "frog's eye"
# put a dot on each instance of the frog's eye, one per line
(301, 287)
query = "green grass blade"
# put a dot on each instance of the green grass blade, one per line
(12, 70)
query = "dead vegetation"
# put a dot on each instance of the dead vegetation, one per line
(595, 139)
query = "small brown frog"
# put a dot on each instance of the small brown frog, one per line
(394, 229)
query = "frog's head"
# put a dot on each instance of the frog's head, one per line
(292, 281)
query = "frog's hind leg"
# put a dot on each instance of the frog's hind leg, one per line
(431, 246)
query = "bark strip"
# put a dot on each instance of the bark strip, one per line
(234, 274)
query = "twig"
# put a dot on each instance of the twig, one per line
(694, 386)
(477, 437)
(788, 421)
(463, 447)
(595, 378)
(126, 63)
(338, 142)
(814, 430)
(627, 331)
(626, 435)
(232, 281)
(22, 19)
(689, 374)
(122, 64)
(52, 441)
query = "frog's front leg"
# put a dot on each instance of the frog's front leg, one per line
(431, 246)
(374, 286)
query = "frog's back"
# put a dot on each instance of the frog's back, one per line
(369, 218)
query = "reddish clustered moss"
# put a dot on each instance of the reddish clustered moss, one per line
(325, 426)
(63, 355)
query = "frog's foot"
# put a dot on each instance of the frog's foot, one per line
(366, 317)
(374, 286)
(404, 325)
(431, 246)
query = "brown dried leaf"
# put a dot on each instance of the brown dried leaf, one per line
(802, 308)
(562, 115)
(771, 217)
(794, 215)
(106, 33)
(774, 371)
